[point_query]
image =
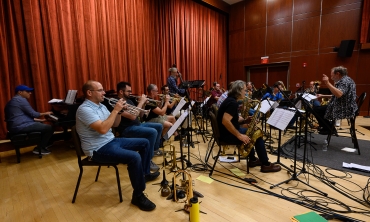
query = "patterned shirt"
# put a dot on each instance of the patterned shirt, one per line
(172, 86)
(222, 98)
(345, 106)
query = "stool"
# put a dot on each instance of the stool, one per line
(24, 140)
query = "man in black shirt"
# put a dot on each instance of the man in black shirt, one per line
(228, 123)
(131, 127)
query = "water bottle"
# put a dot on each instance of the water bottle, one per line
(194, 210)
(325, 146)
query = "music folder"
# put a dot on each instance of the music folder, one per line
(179, 106)
(280, 118)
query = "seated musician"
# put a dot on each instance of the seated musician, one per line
(314, 88)
(277, 96)
(215, 95)
(224, 95)
(157, 114)
(172, 82)
(131, 127)
(227, 120)
(171, 107)
(20, 118)
(342, 104)
(93, 125)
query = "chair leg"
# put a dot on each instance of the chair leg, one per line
(118, 184)
(354, 136)
(77, 185)
(97, 174)
(210, 151)
(214, 164)
(247, 165)
(18, 154)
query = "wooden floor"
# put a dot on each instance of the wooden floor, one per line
(42, 190)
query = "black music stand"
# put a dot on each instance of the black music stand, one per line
(295, 174)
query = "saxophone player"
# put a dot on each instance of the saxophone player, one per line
(227, 120)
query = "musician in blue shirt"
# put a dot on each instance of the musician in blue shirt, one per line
(172, 82)
(275, 95)
(20, 117)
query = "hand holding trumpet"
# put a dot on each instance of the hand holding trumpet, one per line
(120, 105)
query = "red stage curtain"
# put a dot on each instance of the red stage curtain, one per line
(55, 45)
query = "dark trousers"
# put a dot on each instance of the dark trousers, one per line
(320, 112)
(260, 148)
(45, 129)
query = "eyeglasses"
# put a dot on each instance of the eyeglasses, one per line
(98, 90)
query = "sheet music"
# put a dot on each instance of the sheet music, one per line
(176, 125)
(205, 101)
(71, 95)
(179, 106)
(280, 118)
(308, 97)
(55, 101)
(266, 106)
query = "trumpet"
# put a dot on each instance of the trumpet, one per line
(172, 99)
(151, 102)
(130, 108)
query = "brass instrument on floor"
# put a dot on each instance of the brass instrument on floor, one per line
(186, 185)
(253, 133)
(130, 108)
(324, 101)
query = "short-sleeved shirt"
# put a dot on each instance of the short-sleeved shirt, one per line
(344, 107)
(19, 114)
(88, 113)
(230, 106)
(151, 114)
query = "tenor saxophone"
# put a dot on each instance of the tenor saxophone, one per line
(253, 133)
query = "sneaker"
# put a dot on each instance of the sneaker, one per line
(153, 166)
(43, 151)
(143, 202)
(158, 153)
(151, 176)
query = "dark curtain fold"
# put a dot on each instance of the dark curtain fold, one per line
(365, 22)
(55, 45)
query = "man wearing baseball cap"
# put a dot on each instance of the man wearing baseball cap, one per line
(21, 118)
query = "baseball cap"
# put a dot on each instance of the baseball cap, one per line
(22, 88)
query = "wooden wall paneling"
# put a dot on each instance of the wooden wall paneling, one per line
(279, 11)
(278, 38)
(340, 26)
(255, 16)
(236, 46)
(304, 38)
(255, 43)
(306, 9)
(328, 61)
(298, 73)
(330, 6)
(236, 16)
(278, 73)
(363, 68)
(258, 75)
(236, 72)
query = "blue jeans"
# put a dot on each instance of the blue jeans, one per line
(260, 149)
(150, 131)
(131, 151)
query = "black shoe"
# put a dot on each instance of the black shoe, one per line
(152, 176)
(324, 132)
(143, 202)
(177, 138)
